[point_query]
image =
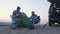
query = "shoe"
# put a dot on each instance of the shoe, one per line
(31, 28)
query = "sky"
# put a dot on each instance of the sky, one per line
(8, 6)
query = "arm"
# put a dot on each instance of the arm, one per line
(14, 14)
(39, 17)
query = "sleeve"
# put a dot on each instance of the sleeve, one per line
(30, 17)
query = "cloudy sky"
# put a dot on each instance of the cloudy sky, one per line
(8, 6)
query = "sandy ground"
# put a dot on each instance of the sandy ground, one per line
(5, 29)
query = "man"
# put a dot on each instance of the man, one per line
(19, 18)
(16, 17)
(34, 19)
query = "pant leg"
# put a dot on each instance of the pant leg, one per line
(16, 21)
(31, 23)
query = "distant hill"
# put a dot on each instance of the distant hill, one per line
(4, 23)
(5, 20)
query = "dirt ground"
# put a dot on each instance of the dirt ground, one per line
(5, 29)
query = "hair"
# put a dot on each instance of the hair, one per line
(32, 11)
(18, 7)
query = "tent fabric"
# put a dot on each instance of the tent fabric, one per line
(25, 19)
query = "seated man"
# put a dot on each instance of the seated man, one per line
(34, 19)
(19, 18)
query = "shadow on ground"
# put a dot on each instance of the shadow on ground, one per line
(57, 25)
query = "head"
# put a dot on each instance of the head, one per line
(33, 12)
(18, 8)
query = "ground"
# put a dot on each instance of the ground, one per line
(5, 29)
